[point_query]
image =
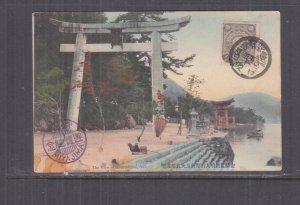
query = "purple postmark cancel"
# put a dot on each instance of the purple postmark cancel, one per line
(65, 146)
(250, 57)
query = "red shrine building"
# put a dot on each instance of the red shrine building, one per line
(223, 120)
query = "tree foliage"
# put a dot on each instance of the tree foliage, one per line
(122, 82)
(193, 85)
(49, 99)
(169, 62)
(245, 116)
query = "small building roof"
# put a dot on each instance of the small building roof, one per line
(224, 102)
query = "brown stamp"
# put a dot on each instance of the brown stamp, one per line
(233, 31)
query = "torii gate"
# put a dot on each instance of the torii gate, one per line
(117, 30)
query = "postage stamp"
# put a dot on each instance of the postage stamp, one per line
(250, 57)
(157, 91)
(233, 31)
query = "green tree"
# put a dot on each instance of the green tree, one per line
(49, 97)
(192, 98)
(129, 73)
(170, 108)
(142, 60)
(245, 116)
(193, 85)
(47, 39)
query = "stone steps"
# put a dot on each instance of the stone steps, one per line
(195, 159)
(215, 159)
(205, 154)
(209, 158)
(190, 156)
(174, 155)
(198, 156)
(181, 157)
(151, 158)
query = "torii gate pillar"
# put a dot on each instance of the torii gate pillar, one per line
(76, 79)
(77, 76)
(157, 75)
(156, 47)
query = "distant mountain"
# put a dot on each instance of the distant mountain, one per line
(265, 105)
(173, 90)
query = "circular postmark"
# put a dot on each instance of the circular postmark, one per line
(250, 57)
(65, 146)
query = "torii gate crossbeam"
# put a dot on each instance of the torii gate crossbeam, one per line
(156, 47)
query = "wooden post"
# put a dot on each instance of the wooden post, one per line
(157, 75)
(76, 81)
(226, 118)
(157, 79)
(216, 118)
(156, 47)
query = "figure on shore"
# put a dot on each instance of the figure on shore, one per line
(135, 149)
(179, 128)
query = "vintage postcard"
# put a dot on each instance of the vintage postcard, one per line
(157, 91)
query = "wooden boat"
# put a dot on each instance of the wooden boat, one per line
(256, 134)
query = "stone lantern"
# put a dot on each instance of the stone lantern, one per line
(193, 124)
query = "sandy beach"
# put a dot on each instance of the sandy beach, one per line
(103, 146)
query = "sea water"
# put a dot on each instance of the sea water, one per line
(252, 154)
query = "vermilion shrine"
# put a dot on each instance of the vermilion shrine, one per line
(223, 120)
(116, 30)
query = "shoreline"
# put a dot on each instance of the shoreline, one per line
(104, 146)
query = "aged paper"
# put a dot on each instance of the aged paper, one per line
(157, 91)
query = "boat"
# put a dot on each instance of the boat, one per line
(256, 134)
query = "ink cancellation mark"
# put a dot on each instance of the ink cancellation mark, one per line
(233, 31)
(250, 57)
(65, 146)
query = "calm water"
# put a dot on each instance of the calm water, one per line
(253, 154)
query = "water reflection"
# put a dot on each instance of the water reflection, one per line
(240, 133)
(253, 153)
